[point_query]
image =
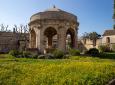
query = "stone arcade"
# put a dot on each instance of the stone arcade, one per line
(49, 29)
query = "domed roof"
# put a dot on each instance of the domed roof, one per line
(53, 13)
(54, 9)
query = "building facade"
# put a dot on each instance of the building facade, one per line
(109, 38)
(87, 44)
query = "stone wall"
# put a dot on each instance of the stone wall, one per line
(12, 41)
(88, 44)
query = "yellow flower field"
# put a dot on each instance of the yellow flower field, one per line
(74, 71)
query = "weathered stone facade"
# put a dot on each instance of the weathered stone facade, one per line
(13, 41)
(87, 44)
(51, 27)
(109, 38)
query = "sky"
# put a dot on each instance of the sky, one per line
(93, 15)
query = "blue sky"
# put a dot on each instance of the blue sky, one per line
(93, 15)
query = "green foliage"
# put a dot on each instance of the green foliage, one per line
(56, 72)
(14, 52)
(92, 36)
(27, 54)
(93, 52)
(85, 36)
(58, 54)
(107, 55)
(6, 56)
(49, 56)
(74, 52)
(34, 56)
(46, 56)
(102, 48)
(66, 56)
(113, 47)
(23, 54)
(41, 57)
(114, 24)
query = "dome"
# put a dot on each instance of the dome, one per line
(53, 9)
(53, 13)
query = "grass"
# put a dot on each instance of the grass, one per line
(74, 71)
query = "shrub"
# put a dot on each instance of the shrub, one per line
(58, 54)
(66, 56)
(49, 56)
(23, 54)
(113, 47)
(102, 48)
(86, 51)
(27, 54)
(35, 56)
(102, 55)
(107, 55)
(14, 53)
(74, 52)
(93, 52)
(41, 57)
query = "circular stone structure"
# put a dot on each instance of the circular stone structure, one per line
(49, 30)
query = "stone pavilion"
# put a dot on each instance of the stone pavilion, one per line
(49, 29)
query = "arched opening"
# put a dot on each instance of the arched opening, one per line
(33, 39)
(70, 38)
(51, 37)
(108, 40)
(108, 43)
(54, 41)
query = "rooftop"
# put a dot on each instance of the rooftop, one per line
(54, 9)
(109, 32)
(53, 13)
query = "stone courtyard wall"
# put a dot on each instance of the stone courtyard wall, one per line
(11, 41)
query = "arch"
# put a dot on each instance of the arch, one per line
(33, 39)
(108, 40)
(50, 32)
(70, 38)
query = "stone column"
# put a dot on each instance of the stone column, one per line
(42, 41)
(30, 40)
(62, 40)
(75, 40)
(38, 38)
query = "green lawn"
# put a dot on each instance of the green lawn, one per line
(73, 71)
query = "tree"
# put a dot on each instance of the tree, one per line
(94, 36)
(23, 34)
(4, 28)
(85, 37)
(114, 26)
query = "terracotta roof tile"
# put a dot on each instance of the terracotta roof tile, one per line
(109, 32)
